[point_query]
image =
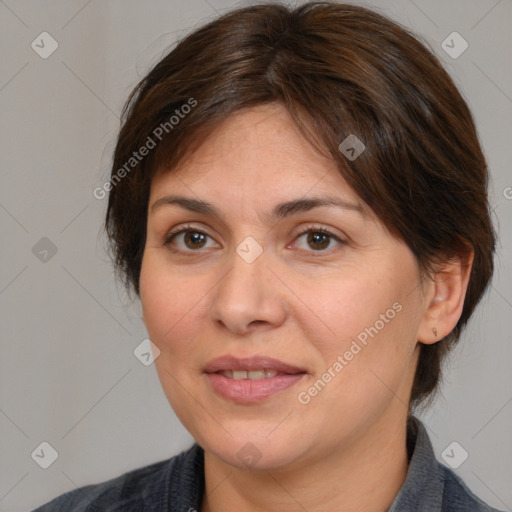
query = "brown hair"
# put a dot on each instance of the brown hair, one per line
(339, 70)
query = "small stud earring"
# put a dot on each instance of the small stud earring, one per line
(435, 332)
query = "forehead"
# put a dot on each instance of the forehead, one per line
(258, 152)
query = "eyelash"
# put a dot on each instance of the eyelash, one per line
(310, 229)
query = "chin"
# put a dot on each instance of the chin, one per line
(257, 452)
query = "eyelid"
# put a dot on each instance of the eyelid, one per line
(320, 229)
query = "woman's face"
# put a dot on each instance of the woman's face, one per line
(343, 308)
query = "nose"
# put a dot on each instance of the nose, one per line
(248, 297)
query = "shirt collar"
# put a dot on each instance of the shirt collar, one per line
(422, 490)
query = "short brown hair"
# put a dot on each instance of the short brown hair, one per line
(339, 70)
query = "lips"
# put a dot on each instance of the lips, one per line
(251, 380)
(251, 364)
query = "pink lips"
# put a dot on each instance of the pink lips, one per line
(251, 391)
(250, 363)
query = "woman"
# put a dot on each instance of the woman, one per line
(299, 200)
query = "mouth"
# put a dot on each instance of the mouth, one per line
(254, 368)
(251, 380)
(251, 375)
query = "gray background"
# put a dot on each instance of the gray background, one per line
(68, 374)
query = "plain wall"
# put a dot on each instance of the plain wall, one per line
(68, 375)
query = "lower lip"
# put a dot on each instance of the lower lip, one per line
(251, 391)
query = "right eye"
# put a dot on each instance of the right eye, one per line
(192, 239)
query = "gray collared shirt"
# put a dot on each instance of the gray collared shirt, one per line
(177, 485)
(429, 485)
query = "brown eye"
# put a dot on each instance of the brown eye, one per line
(187, 239)
(319, 239)
(194, 239)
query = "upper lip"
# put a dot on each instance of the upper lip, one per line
(230, 362)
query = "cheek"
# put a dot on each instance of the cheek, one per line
(349, 304)
(170, 301)
(370, 321)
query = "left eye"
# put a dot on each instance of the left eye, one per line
(319, 238)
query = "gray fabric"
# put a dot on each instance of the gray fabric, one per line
(430, 486)
(177, 485)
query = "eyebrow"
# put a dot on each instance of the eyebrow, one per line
(280, 211)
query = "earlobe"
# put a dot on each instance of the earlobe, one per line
(445, 298)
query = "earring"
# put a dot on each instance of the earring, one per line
(434, 330)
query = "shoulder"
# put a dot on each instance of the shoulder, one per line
(430, 486)
(457, 496)
(160, 485)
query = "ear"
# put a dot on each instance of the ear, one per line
(444, 298)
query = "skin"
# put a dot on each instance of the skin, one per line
(301, 302)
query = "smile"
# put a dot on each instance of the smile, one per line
(252, 375)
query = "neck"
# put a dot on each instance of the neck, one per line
(366, 475)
